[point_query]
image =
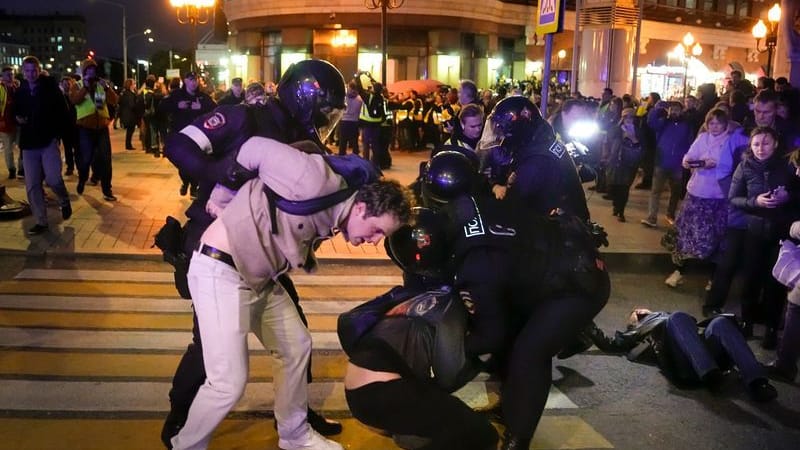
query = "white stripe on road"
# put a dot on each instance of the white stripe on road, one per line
(127, 340)
(142, 305)
(23, 395)
(299, 279)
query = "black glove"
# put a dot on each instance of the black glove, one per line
(236, 176)
(598, 234)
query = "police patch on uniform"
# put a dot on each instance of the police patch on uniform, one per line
(474, 227)
(557, 149)
(216, 120)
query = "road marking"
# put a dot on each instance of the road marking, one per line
(299, 279)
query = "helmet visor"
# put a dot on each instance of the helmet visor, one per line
(325, 121)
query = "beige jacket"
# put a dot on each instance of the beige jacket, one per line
(261, 255)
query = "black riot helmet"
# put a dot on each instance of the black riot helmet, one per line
(515, 120)
(421, 247)
(449, 174)
(313, 92)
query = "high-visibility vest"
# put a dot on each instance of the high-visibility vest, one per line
(365, 116)
(88, 106)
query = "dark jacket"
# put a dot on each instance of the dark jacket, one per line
(127, 109)
(46, 113)
(178, 117)
(673, 138)
(230, 99)
(547, 177)
(623, 157)
(753, 178)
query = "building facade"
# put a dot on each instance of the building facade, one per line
(495, 40)
(59, 41)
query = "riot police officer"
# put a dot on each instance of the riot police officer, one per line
(531, 282)
(546, 176)
(310, 99)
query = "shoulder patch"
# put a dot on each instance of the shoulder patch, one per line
(215, 121)
(557, 149)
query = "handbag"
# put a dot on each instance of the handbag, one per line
(787, 266)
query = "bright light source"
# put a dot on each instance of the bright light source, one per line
(562, 53)
(774, 13)
(583, 129)
(759, 30)
(688, 39)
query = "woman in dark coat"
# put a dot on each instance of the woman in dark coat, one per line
(128, 114)
(764, 187)
(623, 151)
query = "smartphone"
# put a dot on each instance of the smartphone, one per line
(695, 163)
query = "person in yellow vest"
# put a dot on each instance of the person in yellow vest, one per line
(370, 119)
(91, 97)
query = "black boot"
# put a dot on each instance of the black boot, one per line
(511, 442)
(323, 426)
(172, 425)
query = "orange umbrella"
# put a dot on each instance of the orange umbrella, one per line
(421, 86)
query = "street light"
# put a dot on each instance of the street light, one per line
(146, 32)
(193, 12)
(561, 55)
(385, 6)
(760, 31)
(688, 47)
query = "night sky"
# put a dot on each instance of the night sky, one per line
(104, 23)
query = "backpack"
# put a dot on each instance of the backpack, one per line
(356, 171)
(149, 104)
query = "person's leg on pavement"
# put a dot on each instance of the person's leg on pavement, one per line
(682, 333)
(723, 336)
(7, 143)
(277, 325)
(753, 260)
(129, 137)
(659, 179)
(411, 407)
(51, 166)
(725, 270)
(189, 376)
(102, 159)
(223, 306)
(785, 365)
(32, 162)
(675, 193)
(84, 157)
(551, 325)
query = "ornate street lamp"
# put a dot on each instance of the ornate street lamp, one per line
(385, 6)
(193, 12)
(688, 48)
(760, 31)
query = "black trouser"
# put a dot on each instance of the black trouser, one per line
(348, 136)
(619, 197)
(129, 135)
(408, 406)
(726, 268)
(94, 150)
(648, 163)
(70, 142)
(758, 259)
(552, 323)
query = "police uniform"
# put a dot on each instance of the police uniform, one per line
(546, 177)
(531, 283)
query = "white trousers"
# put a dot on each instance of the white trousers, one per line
(226, 311)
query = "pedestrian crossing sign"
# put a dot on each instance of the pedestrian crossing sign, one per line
(550, 18)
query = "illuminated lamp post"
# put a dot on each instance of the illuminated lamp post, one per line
(760, 31)
(688, 47)
(385, 6)
(193, 12)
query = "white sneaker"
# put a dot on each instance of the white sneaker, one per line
(312, 441)
(674, 279)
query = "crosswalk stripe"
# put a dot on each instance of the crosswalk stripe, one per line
(300, 279)
(145, 305)
(130, 341)
(149, 290)
(28, 395)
